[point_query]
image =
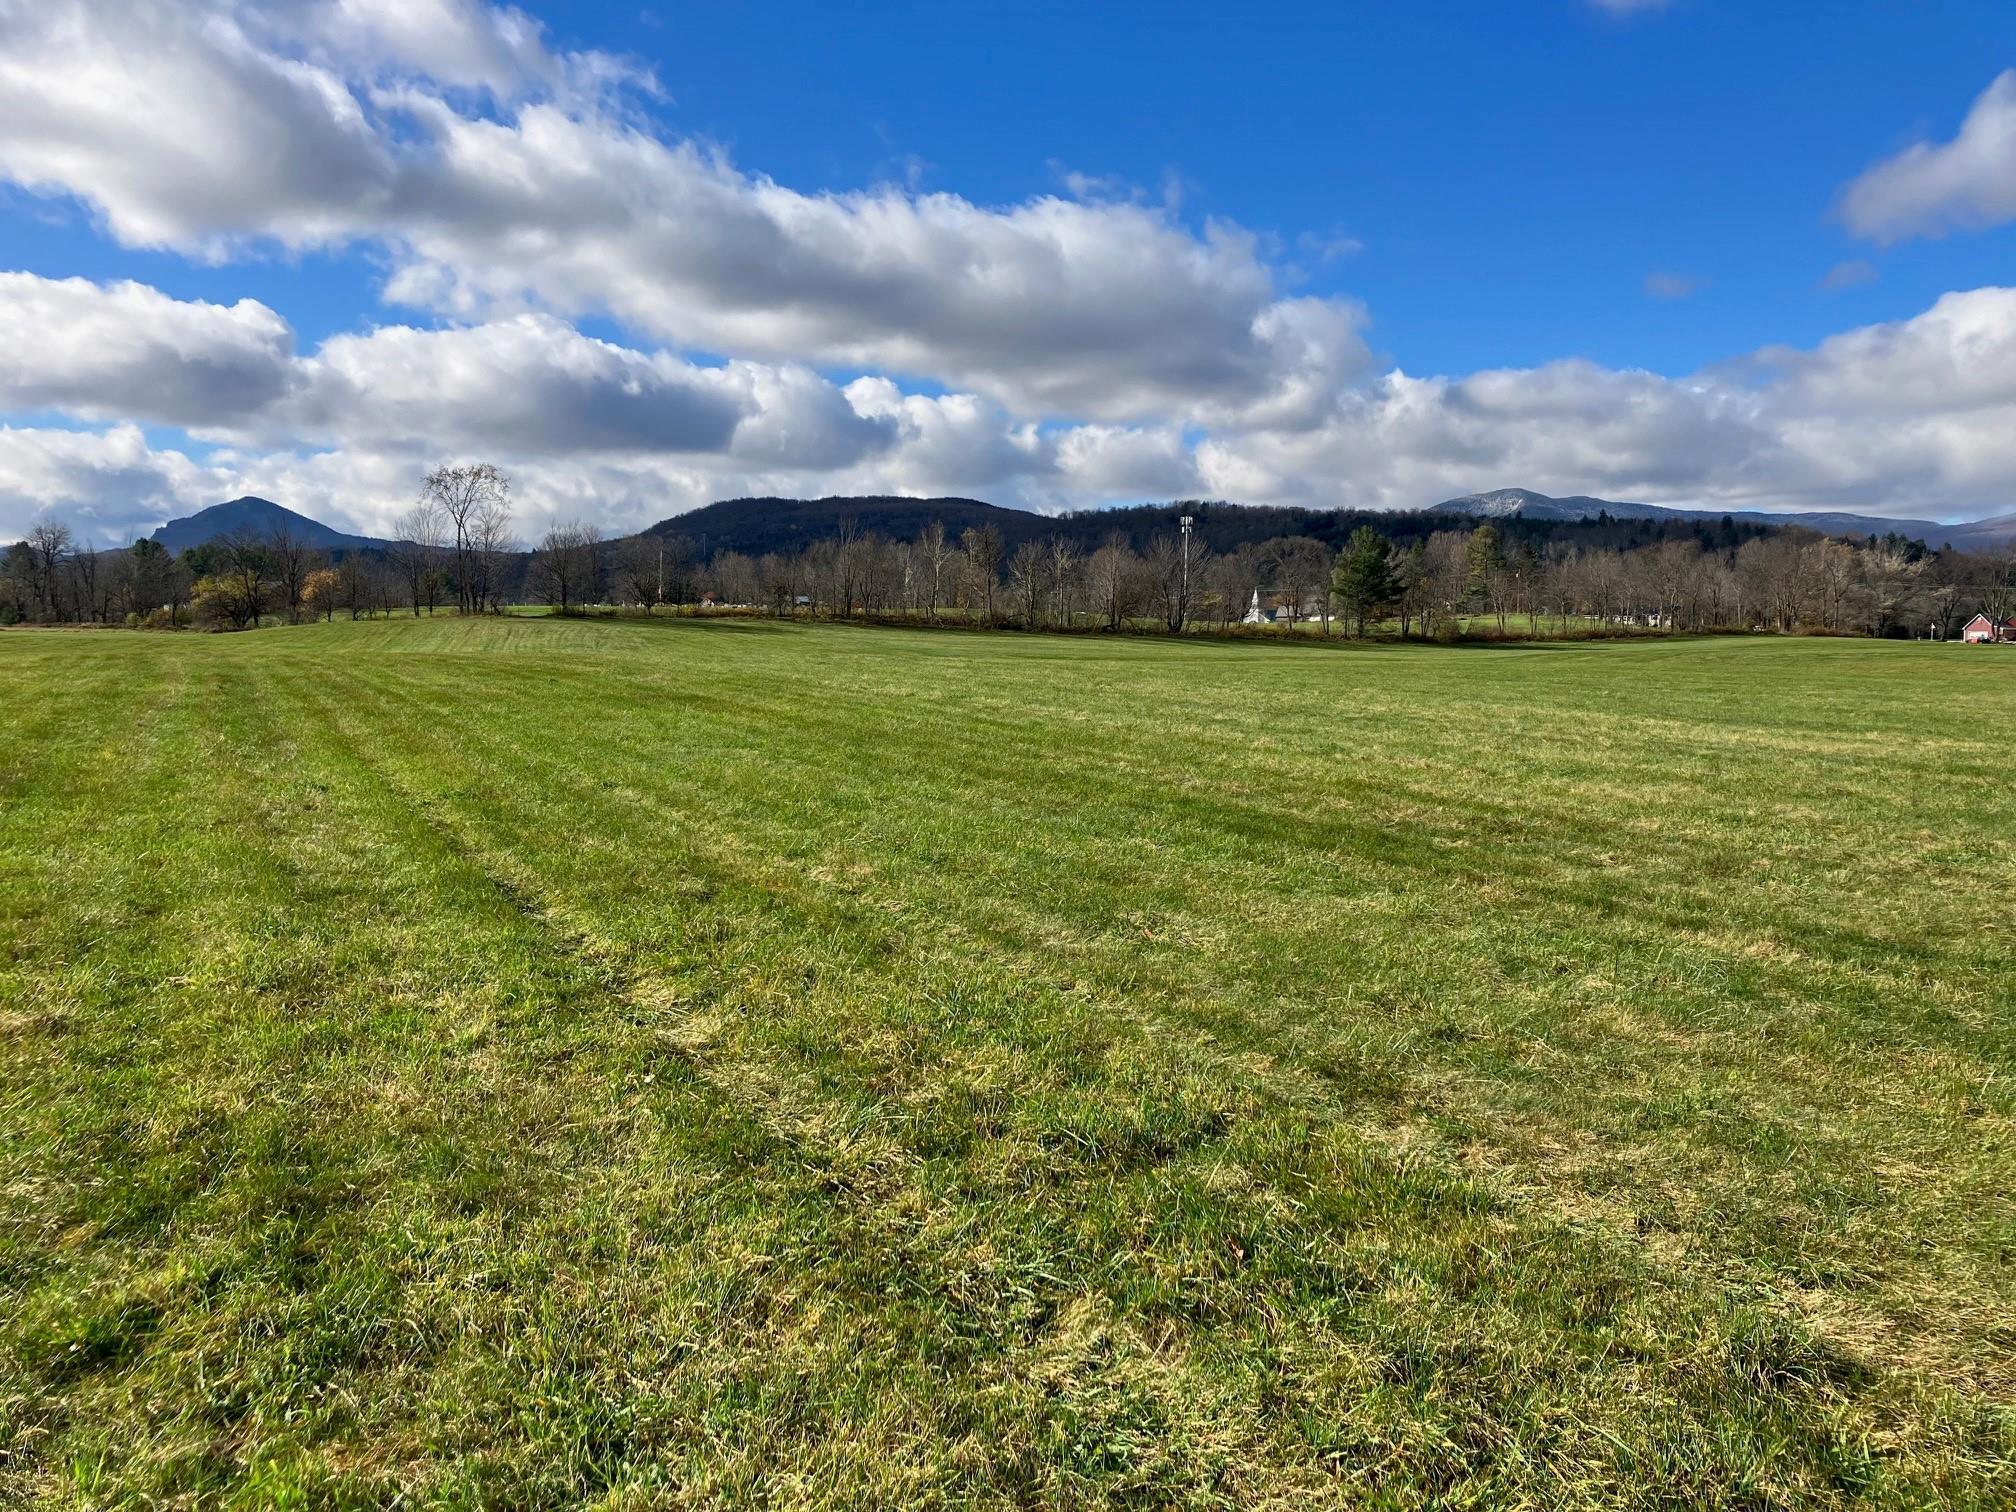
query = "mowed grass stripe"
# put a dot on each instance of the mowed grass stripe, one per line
(1413, 1335)
(1794, 1223)
(561, 1450)
(767, 1088)
(886, 1238)
(770, 1102)
(1744, 1138)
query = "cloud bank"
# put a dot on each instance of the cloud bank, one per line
(340, 125)
(1916, 411)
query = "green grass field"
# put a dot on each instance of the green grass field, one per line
(529, 1062)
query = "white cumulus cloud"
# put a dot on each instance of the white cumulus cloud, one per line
(124, 349)
(1057, 352)
(1934, 187)
(304, 132)
(1915, 416)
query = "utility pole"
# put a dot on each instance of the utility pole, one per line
(1183, 609)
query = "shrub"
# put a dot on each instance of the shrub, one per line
(230, 600)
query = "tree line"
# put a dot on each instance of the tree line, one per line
(456, 550)
(1451, 582)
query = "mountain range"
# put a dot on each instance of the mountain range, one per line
(1524, 504)
(757, 525)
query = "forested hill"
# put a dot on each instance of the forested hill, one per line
(756, 526)
(1225, 527)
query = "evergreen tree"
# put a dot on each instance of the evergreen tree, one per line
(1362, 586)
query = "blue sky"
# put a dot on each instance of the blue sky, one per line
(1513, 171)
(651, 256)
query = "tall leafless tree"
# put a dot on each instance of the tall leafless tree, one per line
(49, 543)
(982, 546)
(492, 547)
(289, 560)
(420, 537)
(1113, 574)
(471, 498)
(935, 552)
(1060, 560)
(567, 567)
(1027, 572)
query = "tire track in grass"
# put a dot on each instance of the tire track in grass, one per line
(783, 1102)
(677, 1105)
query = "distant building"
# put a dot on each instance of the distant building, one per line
(1279, 610)
(1981, 630)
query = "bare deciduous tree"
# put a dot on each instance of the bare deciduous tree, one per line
(1027, 572)
(1114, 573)
(420, 537)
(567, 567)
(49, 546)
(473, 499)
(982, 546)
(492, 546)
(289, 560)
(934, 552)
(1061, 564)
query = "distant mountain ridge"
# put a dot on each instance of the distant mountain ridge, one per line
(253, 515)
(758, 525)
(1524, 504)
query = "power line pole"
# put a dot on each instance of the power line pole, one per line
(1183, 610)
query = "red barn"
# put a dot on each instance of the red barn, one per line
(1980, 630)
